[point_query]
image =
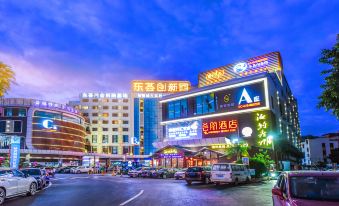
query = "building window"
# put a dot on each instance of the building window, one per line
(104, 114)
(125, 150)
(94, 149)
(114, 150)
(94, 121)
(205, 104)
(331, 147)
(94, 114)
(125, 122)
(125, 100)
(115, 121)
(125, 107)
(94, 138)
(85, 114)
(17, 126)
(95, 107)
(114, 100)
(114, 114)
(115, 138)
(177, 109)
(125, 129)
(95, 100)
(114, 129)
(104, 139)
(125, 138)
(104, 121)
(94, 129)
(85, 100)
(2, 126)
(105, 107)
(104, 100)
(115, 107)
(272, 103)
(105, 129)
(125, 114)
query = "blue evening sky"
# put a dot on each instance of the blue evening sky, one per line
(61, 48)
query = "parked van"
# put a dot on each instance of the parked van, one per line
(230, 173)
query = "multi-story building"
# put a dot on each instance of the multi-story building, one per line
(318, 149)
(48, 132)
(111, 122)
(248, 102)
(147, 110)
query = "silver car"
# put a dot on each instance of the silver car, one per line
(14, 183)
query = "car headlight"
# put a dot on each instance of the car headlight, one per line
(273, 175)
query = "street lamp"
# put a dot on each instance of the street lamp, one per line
(271, 139)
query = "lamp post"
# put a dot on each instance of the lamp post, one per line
(271, 138)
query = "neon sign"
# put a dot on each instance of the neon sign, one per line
(262, 128)
(184, 130)
(219, 127)
(48, 124)
(160, 86)
(215, 75)
(170, 153)
(240, 67)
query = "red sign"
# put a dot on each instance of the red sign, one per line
(217, 128)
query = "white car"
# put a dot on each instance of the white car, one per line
(14, 183)
(81, 169)
(230, 173)
(135, 173)
(180, 174)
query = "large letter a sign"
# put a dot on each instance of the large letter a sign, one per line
(245, 97)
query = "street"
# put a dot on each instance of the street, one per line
(107, 190)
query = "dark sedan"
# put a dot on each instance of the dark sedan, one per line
(38, 174)
(198, 174)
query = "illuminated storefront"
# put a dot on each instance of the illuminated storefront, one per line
(247, 102)
(49, 132)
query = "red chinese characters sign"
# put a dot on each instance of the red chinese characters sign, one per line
(219, 127)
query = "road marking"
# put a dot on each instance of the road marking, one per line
(129, 200)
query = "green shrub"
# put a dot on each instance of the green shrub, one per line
(259, 166)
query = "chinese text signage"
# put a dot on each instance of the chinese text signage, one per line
(160, 86)
(171, 153)
(219, 127)
(262, 129)
(184, 130)
(15, 152)
(270, 62)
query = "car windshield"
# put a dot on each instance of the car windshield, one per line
(5, 172)
(315, 188)
(31, 172)
(221, 167)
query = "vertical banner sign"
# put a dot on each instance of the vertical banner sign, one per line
(15, 152)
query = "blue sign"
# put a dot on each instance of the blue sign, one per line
(184, 130)
(15, 152)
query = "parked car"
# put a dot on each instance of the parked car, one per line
(135, 172)
(147, 172)
(66, 169)
(15, 183)
(230, 173)
(297, 188)
(198, 174)
(81, 169)
(180, 174)
(38, 174)
(163, 173)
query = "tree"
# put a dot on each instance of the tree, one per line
(7, 77)
(265, 158)
(238, 150)
(329, 99)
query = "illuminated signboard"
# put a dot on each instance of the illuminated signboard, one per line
(219, 127)
(184, 130)
(15, 152)
(105, 95)
(262, 128)
(52, 105)
(171, 153)
(160, 86)
(270, 62)
(49, 124)
(240, 98)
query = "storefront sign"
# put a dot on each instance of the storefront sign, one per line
(52, 105)
(219, 127)
(220, 146)
(171, 153)
(150, 86)
(270, 62)
(15, 152)
(262, 128)
(49, 124)
(241, 98)
(184, 130)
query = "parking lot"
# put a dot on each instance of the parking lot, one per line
(84, 189)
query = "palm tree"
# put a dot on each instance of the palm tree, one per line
(238, 150)
(7, 77)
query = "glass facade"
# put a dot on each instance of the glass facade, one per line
(136, 125)
(151, 117)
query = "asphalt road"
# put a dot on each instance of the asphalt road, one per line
(99, 190)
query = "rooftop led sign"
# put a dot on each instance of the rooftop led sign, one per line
(265, 63)
(150, 86)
